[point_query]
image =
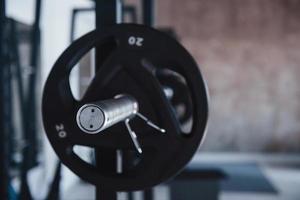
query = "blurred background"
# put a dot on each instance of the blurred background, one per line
(248, 52)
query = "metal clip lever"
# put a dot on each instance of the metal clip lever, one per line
(133, 137)
(150, 123)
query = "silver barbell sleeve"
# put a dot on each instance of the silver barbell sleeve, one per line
(95, 117)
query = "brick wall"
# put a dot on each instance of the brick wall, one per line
(249, 52)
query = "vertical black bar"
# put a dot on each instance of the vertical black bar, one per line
(106, 162)
(148, 12)
(16, 59)
(31, 132)
(107, 13)
(148, 194)
(35, 37)
(130, 195)
(3, 147)
(18, 71)
(30, 150)
(54, 192)
(8, 87)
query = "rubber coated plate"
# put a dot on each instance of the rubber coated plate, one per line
(135, 54)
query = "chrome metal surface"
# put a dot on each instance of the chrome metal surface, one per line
(95, 117)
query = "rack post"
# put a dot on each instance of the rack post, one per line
(148, 12)
(3, 133)
(108, 12)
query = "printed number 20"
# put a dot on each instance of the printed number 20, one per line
(135, 41)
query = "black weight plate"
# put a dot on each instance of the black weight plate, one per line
(130, 69)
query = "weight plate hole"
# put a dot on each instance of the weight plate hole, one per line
(87, 154)
(178, 93)
(84, 72)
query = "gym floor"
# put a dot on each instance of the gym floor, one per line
(281, 170)
(285, 179)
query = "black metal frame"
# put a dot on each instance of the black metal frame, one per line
(106, 15)
(4, 179)
(31, 126)
(107, 12)
(30, 134)
(148, 12)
